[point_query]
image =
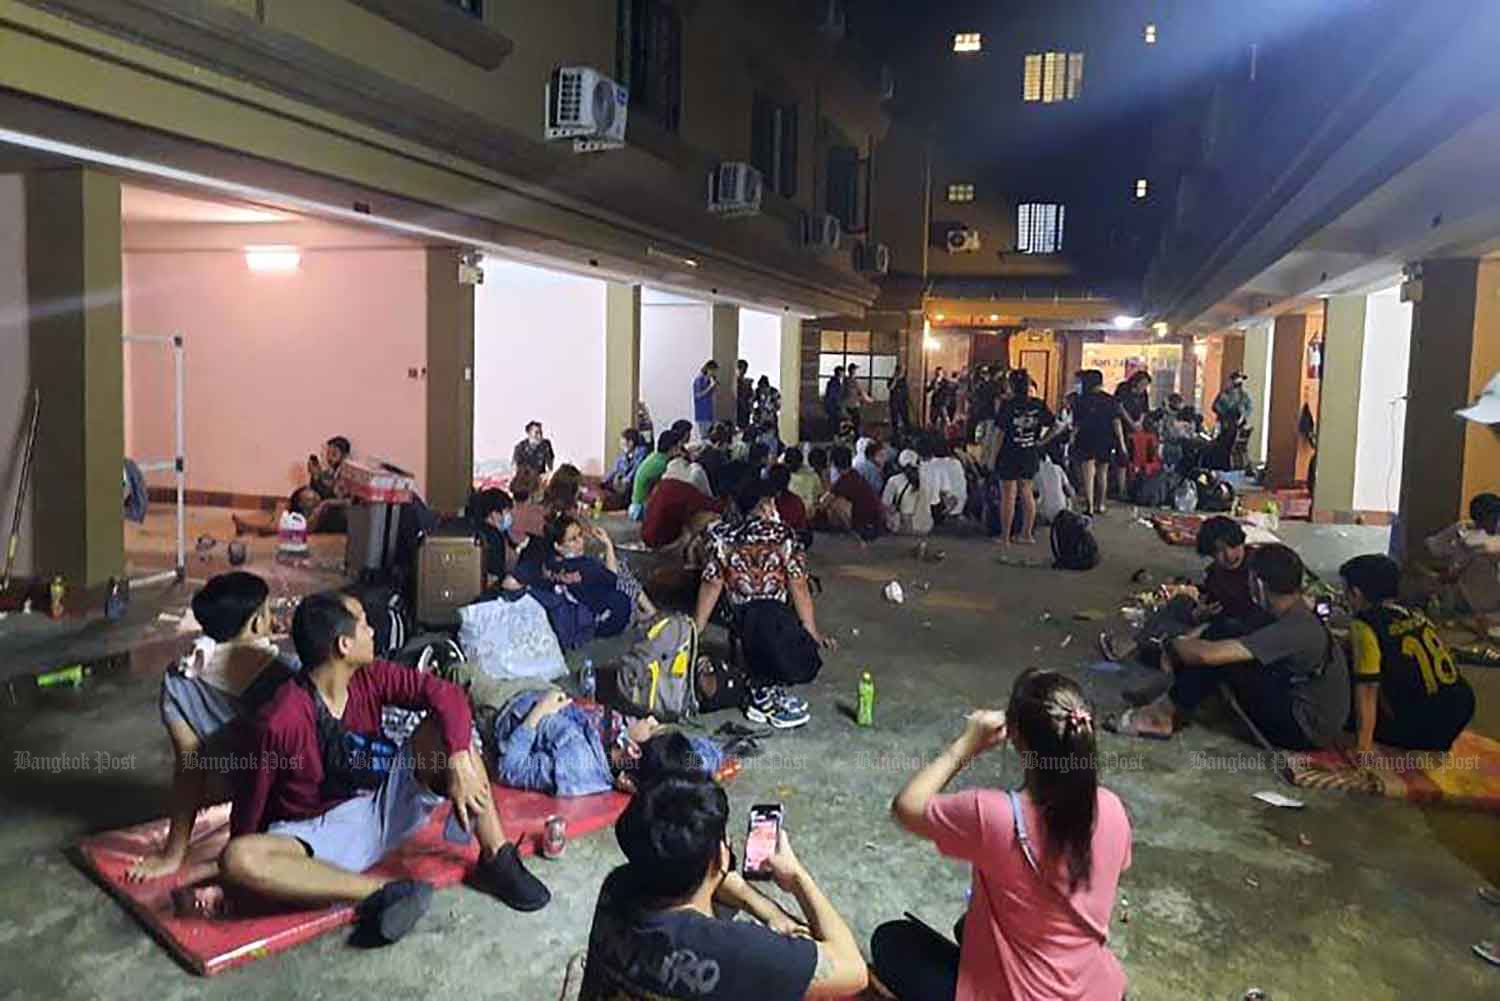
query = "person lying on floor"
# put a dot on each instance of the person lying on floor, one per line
(320, 500)
(656, 931)
(332, 797)
(1289, 676)
(1408, 689)
(1471, 551)
(545, 742)
(757, 561)
(558, 559)
(1046, 861)
(1225, 595)
(230, 672)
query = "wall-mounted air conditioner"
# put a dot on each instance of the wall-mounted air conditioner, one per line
(962, 240)
(586, 106)
(872, 258)
(822, 232)
(734, 189)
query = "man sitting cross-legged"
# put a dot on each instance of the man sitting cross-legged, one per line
(760, 563)
(1289, 676)
(331, 796)
(655, 932)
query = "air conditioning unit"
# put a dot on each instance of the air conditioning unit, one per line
(962, 240)
(586, 106)
(823, 232)
(734, 189)
(873, 258)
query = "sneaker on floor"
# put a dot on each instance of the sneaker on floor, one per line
(1488, 951)
(506, 878)
(785, 698)
(386, 915)
(1489, 894)
(765, 707)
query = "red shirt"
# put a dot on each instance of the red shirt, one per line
(283, 738)
(869, 515)
(671, 506)
(793, 512)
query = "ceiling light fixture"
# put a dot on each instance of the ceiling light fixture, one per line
(273, 260)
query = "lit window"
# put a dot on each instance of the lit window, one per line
(960, 192)
(1050, 77)
(1039, 228)
(971, 41)
(1141, 187)
(1150, 34)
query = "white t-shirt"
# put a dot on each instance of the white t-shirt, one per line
(1052, 485)
(689, 472)
(946, 476)
(910, 508)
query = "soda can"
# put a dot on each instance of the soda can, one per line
(554, 837)
(56, 592)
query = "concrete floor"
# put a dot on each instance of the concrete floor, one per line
(1380, 906)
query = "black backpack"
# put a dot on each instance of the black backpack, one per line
(1073, 544)
(1214, 494)
(1155, 490)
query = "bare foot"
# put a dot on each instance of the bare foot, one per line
(151, 867)
(1027, 540)
(1146, 721)
(201, 901)
(1002, 542)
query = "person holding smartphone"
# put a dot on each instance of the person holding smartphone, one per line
(656, 933)
(1046, 861)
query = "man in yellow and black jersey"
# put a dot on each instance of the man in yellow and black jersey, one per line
(1408, 690)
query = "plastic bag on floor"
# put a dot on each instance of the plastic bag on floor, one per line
(511, 639)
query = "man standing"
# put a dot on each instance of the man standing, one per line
(744, 394)
(332, 796)
(833, 401)
(855, 396)
(1234, 408)
(534, 451)
(704, 387)
(900, 400)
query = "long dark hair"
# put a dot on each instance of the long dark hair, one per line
(1056, 725)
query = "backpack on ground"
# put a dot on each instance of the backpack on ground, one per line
(1214, 494)
(657, 676)
(386, 611)
(1073, 544)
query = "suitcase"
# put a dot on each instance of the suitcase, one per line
(450, 574)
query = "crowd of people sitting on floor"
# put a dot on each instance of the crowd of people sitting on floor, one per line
(337, 788)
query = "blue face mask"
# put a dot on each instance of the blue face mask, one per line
(506, 521)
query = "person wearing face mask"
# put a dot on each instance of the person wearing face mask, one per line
(230, 672)
(493, 514)
(595, 583)
(1289, 675)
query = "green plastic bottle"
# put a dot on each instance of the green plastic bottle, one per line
(64, 677)
(865, 715)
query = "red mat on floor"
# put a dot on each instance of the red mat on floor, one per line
(1467, 776)
(212, 945)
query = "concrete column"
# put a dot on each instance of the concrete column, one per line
(622, 361)
(725, 334)
(1339, 405)
(916, 367)
(1456, 336)
(1187, 371)
(791, 377)
(450, 382)
(1257, 368)
(77, 361)
(15, 366)
(1288, 349)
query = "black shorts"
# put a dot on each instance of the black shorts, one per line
(1018, 464)
(1093, 451)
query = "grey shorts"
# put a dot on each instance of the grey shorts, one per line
(360, 832)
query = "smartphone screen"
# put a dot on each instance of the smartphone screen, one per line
(760, 841)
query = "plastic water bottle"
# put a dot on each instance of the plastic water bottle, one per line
(865, 715)
(586, 680)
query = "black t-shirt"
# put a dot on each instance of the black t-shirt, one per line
(1023, 422)
(1133, 403)
(640, 955)
(983, 405)
(1095, 415)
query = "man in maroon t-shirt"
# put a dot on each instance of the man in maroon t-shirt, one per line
(330, 796)
(869, 515)
(670, 511)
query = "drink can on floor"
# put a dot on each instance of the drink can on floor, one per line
(56, 592)
(554, 837)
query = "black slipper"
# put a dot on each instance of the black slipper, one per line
(732, 729)
(386, 915)
(504, 877)
(743, 747)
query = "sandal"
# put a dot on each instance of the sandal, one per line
(1489, 894)
(1488, 951)
(1128, 724)
(733, 729)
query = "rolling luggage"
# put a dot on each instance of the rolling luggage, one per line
(450, 574)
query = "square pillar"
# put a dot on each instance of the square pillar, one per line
(725, 341)
(450, 382)
(1284, 446)
(1257, 368)
(1455, 351)
(622, 362)
(77, 362)
(791, 378)
(1339, 405)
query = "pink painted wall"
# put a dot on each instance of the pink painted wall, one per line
(276, 363)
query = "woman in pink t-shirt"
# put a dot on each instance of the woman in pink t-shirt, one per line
(1044, 878)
